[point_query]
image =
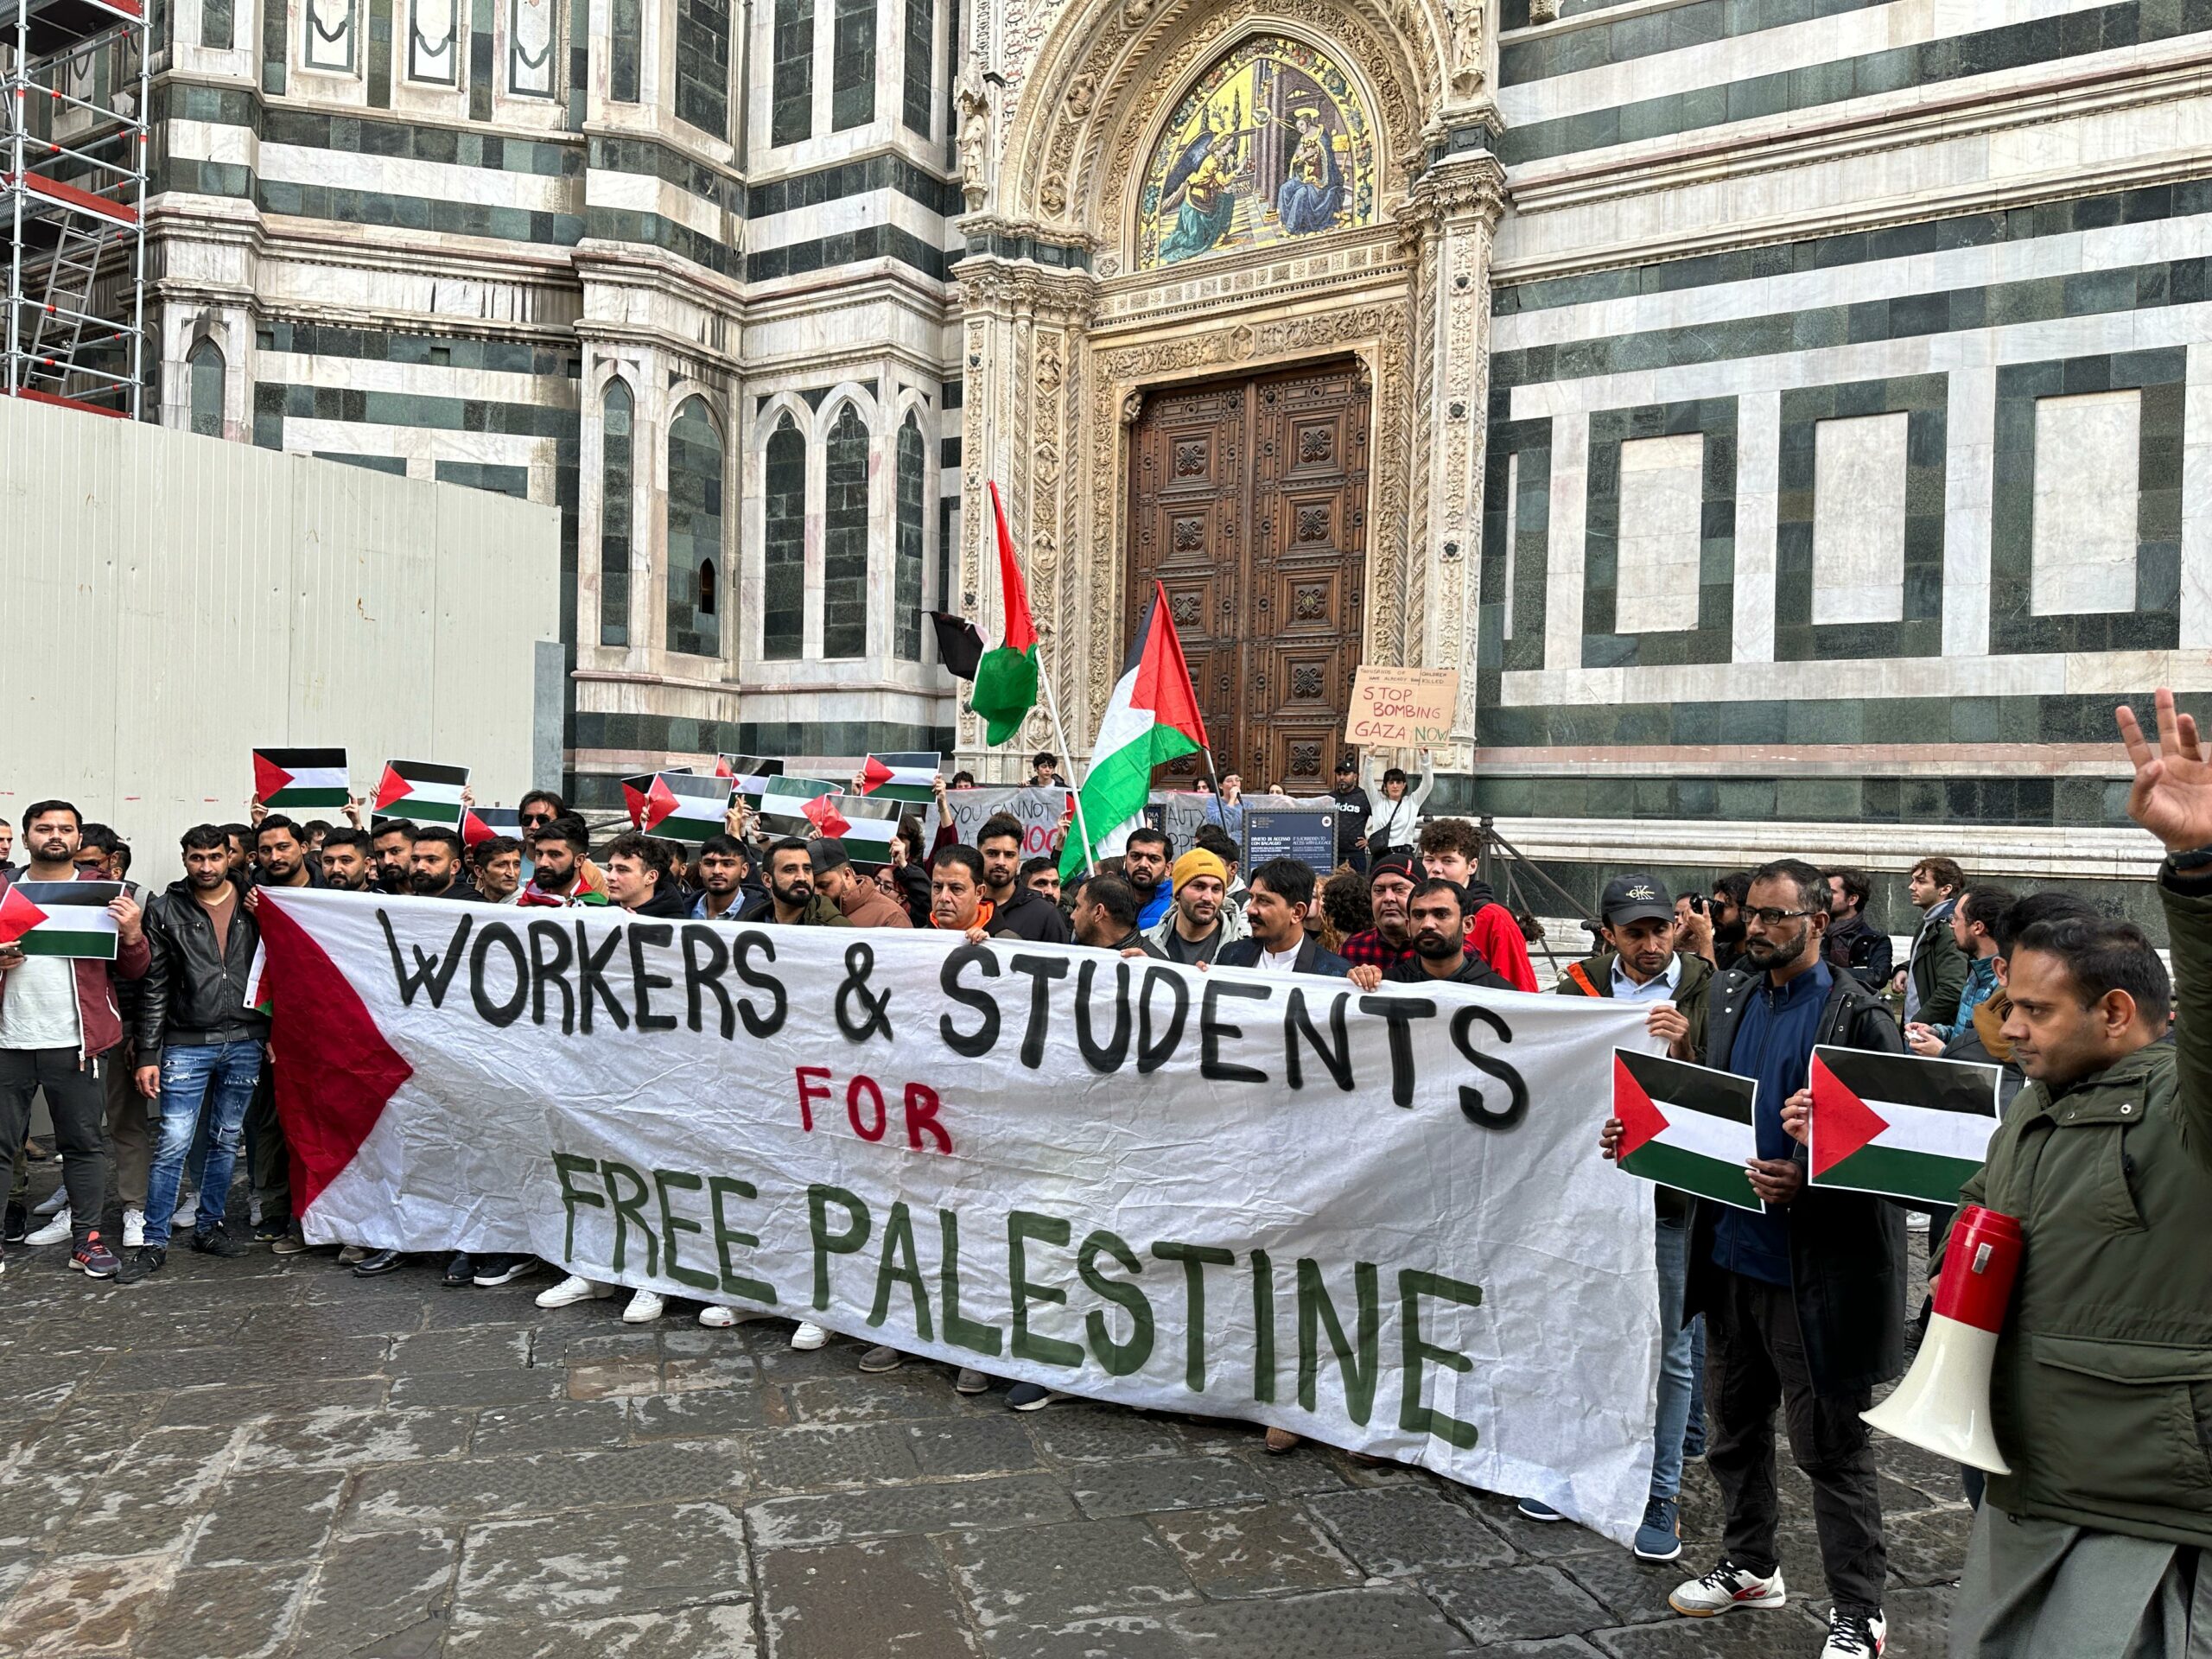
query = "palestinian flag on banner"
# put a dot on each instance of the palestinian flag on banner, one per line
(481, 823)
(1687, 1127)
(421, 791)
(784, 802)
(1006, 680)
(1151, 718)
(681, 806)
(748, 774)
(901, 777)
(871, 825)
(287, 779)
(1899, 1125)
(59, 919)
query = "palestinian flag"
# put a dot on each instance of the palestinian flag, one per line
(1899, 1125)
(59, 919)
(822, 812)
(901, 777)
(1687, 1127)
(421, 792)
(1151, 718)
(871, 825)
(959, 647)
(1006, 680)
(635, 791)
(680, 806)
(287, 779)
(481, 823)
(784, 800)
(748, 774)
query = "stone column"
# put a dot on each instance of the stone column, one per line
(1451, 214)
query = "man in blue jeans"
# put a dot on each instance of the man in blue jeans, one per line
(1640, 964)
(199, 1041)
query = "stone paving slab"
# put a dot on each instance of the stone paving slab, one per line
(268, 1457)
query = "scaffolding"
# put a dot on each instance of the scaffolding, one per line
(74, 149)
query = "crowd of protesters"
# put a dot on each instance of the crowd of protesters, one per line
(156, 1071)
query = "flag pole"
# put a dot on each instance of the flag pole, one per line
(1074, 789)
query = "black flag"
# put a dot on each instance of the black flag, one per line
(959, 647)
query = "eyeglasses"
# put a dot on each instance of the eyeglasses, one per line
(1768, 915)
(535, 818)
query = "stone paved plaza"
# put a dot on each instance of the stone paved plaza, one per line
(270, 1456)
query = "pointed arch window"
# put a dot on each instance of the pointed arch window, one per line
(844, 538)
(204, 373)
(783, 605)
(906, 569)
(617, 502)
(695, 526)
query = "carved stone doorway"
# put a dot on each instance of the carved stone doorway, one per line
(1248, 501)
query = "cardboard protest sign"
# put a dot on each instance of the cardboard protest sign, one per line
(1899, 1125)
(1376, 1219)
(1402, 708)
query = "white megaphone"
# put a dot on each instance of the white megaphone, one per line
(1943, 1402)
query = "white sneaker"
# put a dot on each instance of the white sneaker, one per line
(645, 1307)
(809, 1336)
(1724, 1589)
(52, 1203)
(1856, 1635)
(186, 1215)
(715, 1317)
(134, 1229)
(573, 1289)
(53, 1232)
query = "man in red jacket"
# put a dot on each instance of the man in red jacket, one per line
(1449, 849)
(59, 1027)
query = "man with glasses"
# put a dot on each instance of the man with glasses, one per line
(1803, 1297)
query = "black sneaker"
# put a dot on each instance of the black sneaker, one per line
(94, 1260)
(492, 1270)
(271, 1228)
(460, 1271)
(17, 1223)
(146, 1261)
(376, 1262)
(217, 1241)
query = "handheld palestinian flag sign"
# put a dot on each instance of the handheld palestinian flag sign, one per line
(748, 774)
(871, 825)
(784, 802)
(1687, 1127)
(421, 792)
(635, 792)
(1899, 1125)
(822, 812)
(901, 777)
(682, 806)
(481, 823)
(59, 919)
(286, 780)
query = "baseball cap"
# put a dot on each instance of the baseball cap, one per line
(1636, 898)
(827, 853)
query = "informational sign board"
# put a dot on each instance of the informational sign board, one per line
(1402, 708)
(1306, 832)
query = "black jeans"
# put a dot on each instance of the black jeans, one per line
(76, 1095)
(1755, 1361)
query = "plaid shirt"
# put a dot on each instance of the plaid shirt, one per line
(1370, 949)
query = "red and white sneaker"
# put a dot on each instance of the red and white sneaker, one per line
(1861, 1634)
(1724, 1589)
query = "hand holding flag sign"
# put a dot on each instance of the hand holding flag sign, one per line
(679, 805)
(1687, 1127)
(61, 918)
(901, 777)
(287, 780)
(822, 812)
(421, 792)
(1899, 1125)
(481, 823)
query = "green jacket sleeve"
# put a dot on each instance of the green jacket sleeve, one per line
(2189, 926)
(1947, 966)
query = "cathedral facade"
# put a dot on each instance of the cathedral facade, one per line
(1781, 411)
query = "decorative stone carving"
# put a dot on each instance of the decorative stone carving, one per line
(1083, 92)
(973, 100)
(1543, 11)
(1467, 73)
(1052, 195)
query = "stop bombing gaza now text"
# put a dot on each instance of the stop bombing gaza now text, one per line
(538, 966)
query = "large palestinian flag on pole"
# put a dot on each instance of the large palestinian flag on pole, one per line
(59, 919)
(1687, 1127)
(1151, 718)
(286, 780)
(1006, 680)
(1899, 1125)
(679, 805)
(421, 791)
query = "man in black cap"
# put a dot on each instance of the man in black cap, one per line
(1390, 886)
(858, 900)
(1640, 964)
(1353, 809)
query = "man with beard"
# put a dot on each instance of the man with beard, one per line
(1014, 908)
(1449, 849)
(1144, 867)
(198, 1042)
(349, 861)
(1390, 883)
(1716, 932)
(1803, 1299)
(859, 900)
(725, 894)
(1436, 916)
(1202, 919)
(557, 876)
(436, 868)
(1106, 920)
(792, 900)
(280, 858)
(395, 844)
(1353, 809)
(497, 862)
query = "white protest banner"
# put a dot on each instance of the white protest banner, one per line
(1378, 1219)
(1401, 707)
(1038, 810)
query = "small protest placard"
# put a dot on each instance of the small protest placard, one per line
(1402, 708)
(1687, 1127)
(1898, 1124)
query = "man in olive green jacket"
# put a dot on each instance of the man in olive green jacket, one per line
(2094, 1546)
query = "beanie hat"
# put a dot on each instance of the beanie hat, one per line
(1198, 861)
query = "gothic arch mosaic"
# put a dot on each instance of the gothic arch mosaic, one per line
(1272, 143)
